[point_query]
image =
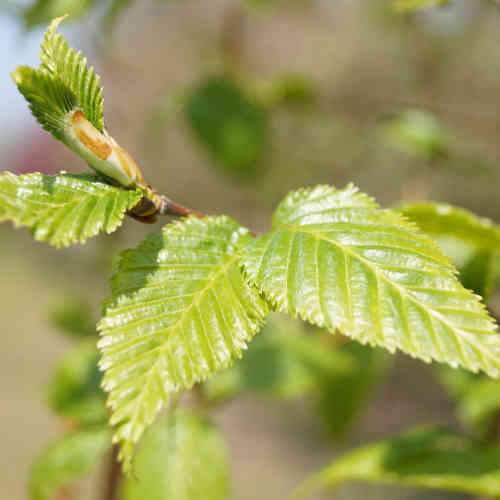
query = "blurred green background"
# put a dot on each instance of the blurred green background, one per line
(227, 105)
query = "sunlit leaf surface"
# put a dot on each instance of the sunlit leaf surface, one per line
(180, 311)
(338, 261)
(63, 209)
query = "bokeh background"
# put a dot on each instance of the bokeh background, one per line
(227, 105)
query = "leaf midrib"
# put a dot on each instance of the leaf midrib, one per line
(148, 376)
(400, 289)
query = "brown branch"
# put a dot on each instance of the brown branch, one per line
(113, 476)
(170, 207)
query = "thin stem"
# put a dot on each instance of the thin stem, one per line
(170, 207)
(113, 476)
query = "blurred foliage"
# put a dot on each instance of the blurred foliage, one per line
(41, 12)
(477, 400)
(285, 361)
(417, 133)
(230, 117)
(115, 9)
(478, 273)
(287, 89)
(74, 392)
(230, 125)
(67, 459)
(471, 242)
(444, 220)
(341, 397)
(411, 5)
(427, 458)
(182, 457)
(74, 317)
(289, 360)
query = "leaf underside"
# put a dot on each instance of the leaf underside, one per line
(180, 311)
(338, 261)
(63, 209)
(182, 457)
(427, 458)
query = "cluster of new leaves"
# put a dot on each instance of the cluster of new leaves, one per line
(65, 209)
(182, 308)
(186, 302)
(62, 83)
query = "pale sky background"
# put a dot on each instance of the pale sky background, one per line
(16, 47)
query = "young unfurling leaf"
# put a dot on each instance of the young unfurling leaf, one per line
(338, 261)
(60, 61)
(65, 96)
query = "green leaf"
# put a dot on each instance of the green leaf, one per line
(478, 273)
(338, 261)
(43, 11)
(66, 460)
(69, 66)
(424, 458)
(65, 97)
(472, 242)
(180, 311)
(342, 395)
(417, 132)
(441, 219)
(74, 317)
(63, 209)
(74, 391)
(50, 100)
(288, 89)
(231, 126)
(182, 457)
